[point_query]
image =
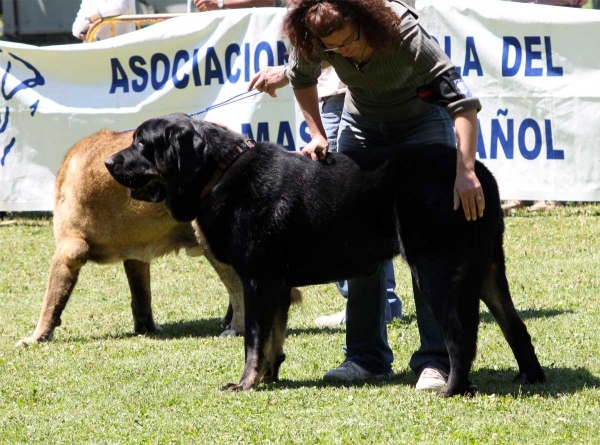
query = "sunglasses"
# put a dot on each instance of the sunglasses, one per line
(350, 42)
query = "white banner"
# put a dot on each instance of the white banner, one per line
(537, 79)
(536, 69)
(54, 96)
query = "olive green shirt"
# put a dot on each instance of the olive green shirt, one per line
(385, 88)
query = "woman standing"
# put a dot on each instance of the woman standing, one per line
(402, 90)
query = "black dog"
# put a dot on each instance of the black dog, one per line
(282, 220)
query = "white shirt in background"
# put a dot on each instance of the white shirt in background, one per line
(329, 83)
(104, 8)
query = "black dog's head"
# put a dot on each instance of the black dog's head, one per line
(165, 162)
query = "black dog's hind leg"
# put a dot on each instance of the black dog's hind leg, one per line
(496, 296)
(456, 309)
(276, 355)
(260, 301)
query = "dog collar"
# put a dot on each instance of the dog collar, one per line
(229, 158)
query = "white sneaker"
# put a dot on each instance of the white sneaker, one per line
(352, 372)
(431, 379)
(334, 320)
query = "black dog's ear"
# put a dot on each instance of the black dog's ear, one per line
(186, 150)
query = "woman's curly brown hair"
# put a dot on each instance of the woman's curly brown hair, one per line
(307, 21)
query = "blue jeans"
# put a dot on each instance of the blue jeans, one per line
(331, 113)
(393, 306)
(366, 334)
(331, 108)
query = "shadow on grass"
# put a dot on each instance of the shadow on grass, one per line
(560, 382)
(487, 317)
(405, 377)
(405, 320)
(208, 327)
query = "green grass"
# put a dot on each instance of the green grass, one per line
(98, 383)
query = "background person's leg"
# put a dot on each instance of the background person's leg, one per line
(393, 308)
(366, 331)
(331, 112)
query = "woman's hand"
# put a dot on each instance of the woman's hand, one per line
(468, 191)
(269, 79)
(316, 148)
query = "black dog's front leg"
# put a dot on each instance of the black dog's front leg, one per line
(260, 301)
(276, 355)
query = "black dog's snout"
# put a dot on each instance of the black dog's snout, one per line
(114, 164)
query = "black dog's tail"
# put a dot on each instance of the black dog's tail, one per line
(496, 296)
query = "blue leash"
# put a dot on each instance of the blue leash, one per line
(227, 102)
(236, 98)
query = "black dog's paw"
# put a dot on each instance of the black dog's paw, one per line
(469, 392)
(447, 394)
(524, 378)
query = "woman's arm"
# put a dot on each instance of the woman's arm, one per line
(82, 21)
(467, 188)
(308, 101)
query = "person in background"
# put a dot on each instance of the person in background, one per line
(92, 10)
(402, 90)
(211, 5)
(332, 92)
